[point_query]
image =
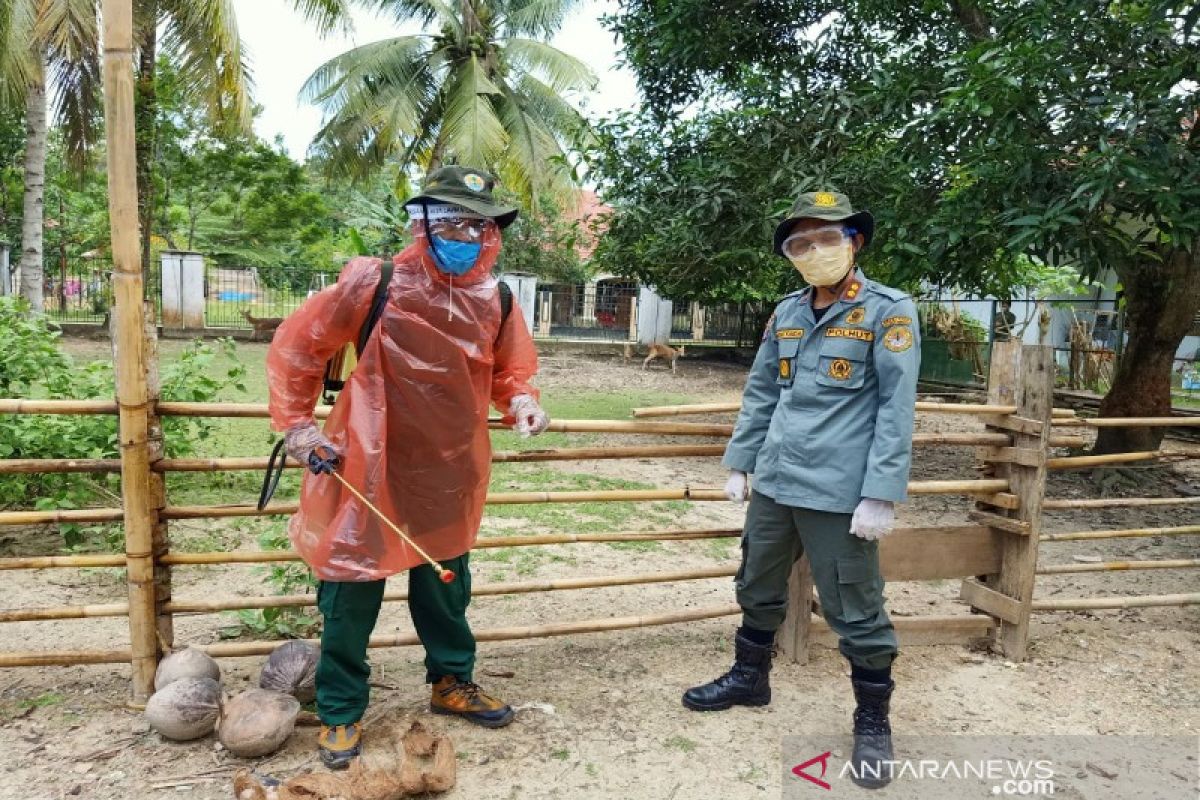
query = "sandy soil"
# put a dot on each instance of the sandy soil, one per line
(599, 713)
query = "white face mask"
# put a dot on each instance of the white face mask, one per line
(825, 266)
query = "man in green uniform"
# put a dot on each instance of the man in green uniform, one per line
(826, 430)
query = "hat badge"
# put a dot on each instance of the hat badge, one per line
(474, 182)
(824, 200)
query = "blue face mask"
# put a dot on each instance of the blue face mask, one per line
(455, 258)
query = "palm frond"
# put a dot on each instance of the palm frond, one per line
(426, 12)
(534, 163)
(534, 17)
(561, 72)
(70, 31)
(327, 15)
(18, 63)
(555, 113)
(202, 36)
(471, 131)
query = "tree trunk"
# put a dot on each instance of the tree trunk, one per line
(34, 212)
(1161, 301)
(146, 116)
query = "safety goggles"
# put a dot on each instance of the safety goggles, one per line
(470, 227)
(800, 243)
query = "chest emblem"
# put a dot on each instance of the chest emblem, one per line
(840, 369)
(856, 316)
(898, 339)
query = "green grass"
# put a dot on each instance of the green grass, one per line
(680, 743)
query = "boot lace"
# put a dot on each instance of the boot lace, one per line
(869, 720)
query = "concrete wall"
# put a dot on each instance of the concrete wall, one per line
(182, 290)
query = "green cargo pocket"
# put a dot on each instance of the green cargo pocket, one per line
(860, 589)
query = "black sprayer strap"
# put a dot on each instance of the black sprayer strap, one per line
(378, 301)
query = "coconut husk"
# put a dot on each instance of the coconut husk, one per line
(292, 669)
(257, 722)
(186, 663)
(185, 709)
(415, 762)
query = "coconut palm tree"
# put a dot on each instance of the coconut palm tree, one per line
(52, 48)
(483, 89)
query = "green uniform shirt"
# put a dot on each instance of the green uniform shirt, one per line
(827, 412)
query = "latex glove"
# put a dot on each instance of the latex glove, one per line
(735, 487)
(301, 440)
(873, 519)
(530, 418)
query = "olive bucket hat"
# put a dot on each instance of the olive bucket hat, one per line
(466, 187)
(831, 206)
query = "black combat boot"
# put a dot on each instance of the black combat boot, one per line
(746, 684)
(872, 734)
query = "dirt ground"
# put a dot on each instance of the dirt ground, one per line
(599, 714)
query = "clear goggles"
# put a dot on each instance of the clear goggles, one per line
(472, 227)
(800, 243)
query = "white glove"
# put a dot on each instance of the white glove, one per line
(530, 418)
(735, 487)
(873, 519)
(302, 439)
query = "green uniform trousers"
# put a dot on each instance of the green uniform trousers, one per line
(845, 570)
(439, 613)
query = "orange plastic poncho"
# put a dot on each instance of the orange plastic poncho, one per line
(411, 423)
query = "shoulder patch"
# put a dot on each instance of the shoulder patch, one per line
(890, 321)
(767, 327)
(898, 339)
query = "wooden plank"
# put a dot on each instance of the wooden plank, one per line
(920, 554)
(1000, 522)
(793, 636)
(1001, 606)
(1018, 424)
(922, 631)
(1005, 500)
(1013, 455)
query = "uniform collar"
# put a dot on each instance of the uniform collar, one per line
(851, 294)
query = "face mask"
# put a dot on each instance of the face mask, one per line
(825, 266)
(454, 258)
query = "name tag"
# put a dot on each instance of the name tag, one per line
(790, 333)
(850, 333)
(890, 321)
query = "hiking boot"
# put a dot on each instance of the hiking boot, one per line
(872, 734)
(338, 745)
(746, 684)
(464, 699)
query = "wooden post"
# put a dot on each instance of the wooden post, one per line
(164, 626)
(1021, 376)
(633, 319)
(697, 322)
(793, 634)
(128, 342)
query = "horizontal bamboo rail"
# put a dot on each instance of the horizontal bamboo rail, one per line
(1127, 533)
(64, 658)
(1083, 462)
(301, 600)
(47, 466)
(979, 486)
(237, 649)
(72, 407)
(1117, 566)
(1118, 502)
(1091, 603)
(1130, 422)
(938, 408)
(271, 556)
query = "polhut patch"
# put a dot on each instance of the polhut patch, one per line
(474, 182)
(861, 334)
(824, 200)
(898, 339)
(890, 321)
(840, 369)
(856, 316)
(790, 333)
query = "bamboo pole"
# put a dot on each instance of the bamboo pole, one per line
(937, 408)
(622, 426)
(73, 407)
(1091, 603)
(64, 612)
(981, 486)
(234, 410)
(1126, 533)
(1131, 422)
(238, 649)
(52, 562)
(1120, 502)
(29, 466)
(128, 345)
(1115, 566)
(64, 658)
(1084, 462)
(529, 587)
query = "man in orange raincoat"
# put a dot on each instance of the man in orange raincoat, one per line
(410, 432)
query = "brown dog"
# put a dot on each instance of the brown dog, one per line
(263, 326)
(664, 351)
